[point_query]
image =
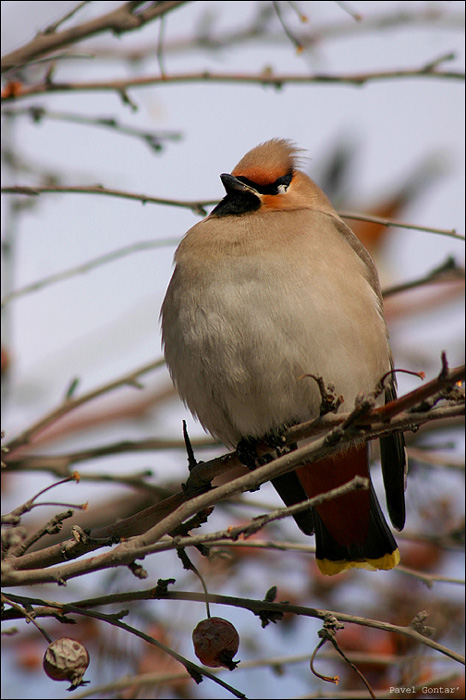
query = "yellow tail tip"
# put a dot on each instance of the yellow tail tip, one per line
(330, 568)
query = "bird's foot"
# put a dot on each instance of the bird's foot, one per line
(251, 451)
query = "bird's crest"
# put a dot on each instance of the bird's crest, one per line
(268, 161)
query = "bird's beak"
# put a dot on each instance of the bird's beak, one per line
(231, 183)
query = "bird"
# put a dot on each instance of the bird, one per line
(269, 289)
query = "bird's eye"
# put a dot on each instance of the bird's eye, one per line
(283, 183)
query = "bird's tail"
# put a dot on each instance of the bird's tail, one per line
(351, 530)
(377, 551)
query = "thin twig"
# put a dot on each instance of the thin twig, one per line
(429, 579)
(357, 483)
(355, 216)
(6, 600)
(158, 679)
(289, 34)
(28, 505)
(53, 526)
(160, 47)
(447, 271)
(264, 79)
(60, 464)
(314, 34)
(327, 679)
(127, 379)
(151, 138)
(254, 606)
(53, 27)
(198, 207)
(433, 459)
(189, 566)
(349, 10)
(195, 671)
(86, 267)
(125, 18)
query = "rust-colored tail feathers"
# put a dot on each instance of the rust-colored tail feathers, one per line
(350, 530)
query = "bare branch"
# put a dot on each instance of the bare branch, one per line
(124, 19)
(265, 79)
(171, 512)
(288, 33)
(447, 271)
(258, 30)
(196, 206)
(195, 671)
(153, 139)
(398, 224)
(88, 266)
(60, 464)
(278, 662)
(255, 606)
(346, 7)
(431, 458)
(53, 27)
(205, 472)
(71, 404)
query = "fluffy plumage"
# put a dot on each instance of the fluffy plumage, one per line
(271, 286)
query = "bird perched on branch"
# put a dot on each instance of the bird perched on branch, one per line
(270, 287)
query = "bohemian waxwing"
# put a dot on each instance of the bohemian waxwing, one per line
(268, 288)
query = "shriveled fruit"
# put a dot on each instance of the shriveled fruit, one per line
(66, 659)
(216, 641)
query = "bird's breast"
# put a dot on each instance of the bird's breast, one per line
(241, 331)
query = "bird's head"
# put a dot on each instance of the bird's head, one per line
(267, 179)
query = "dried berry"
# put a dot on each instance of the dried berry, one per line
(66, 659)
(216, 642)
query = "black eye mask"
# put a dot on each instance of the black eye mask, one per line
(273, 188)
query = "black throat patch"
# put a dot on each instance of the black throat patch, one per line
(236, 203)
